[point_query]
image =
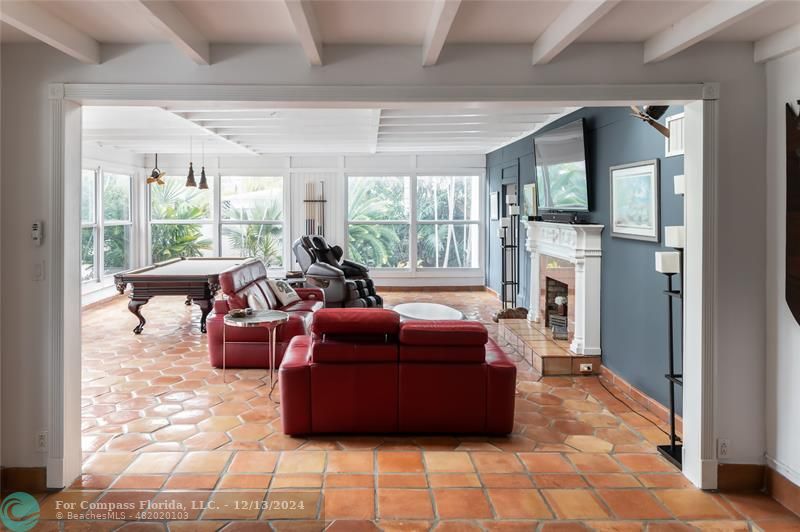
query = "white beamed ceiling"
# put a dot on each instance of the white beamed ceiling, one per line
(397, 22)
(146, 130)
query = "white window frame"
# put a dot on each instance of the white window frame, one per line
(100, 279)
(413, 271)
(216, 222)
(474, 222)
(669, 151)
(282, 222)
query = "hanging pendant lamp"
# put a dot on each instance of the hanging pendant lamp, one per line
(190, 182)
(156, 176)
(203, 180)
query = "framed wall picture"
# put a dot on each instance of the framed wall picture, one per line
(494, 206)
(529, 207)
(635, 201)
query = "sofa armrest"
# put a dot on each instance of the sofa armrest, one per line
(317, 294)
(500, 390)
(221, 307)
(295, 380)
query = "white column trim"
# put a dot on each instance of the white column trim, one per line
(64, 370)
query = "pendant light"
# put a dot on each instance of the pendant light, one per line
(203, 180)
(190, 182)
(156, 176)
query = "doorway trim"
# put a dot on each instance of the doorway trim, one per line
(702, 139)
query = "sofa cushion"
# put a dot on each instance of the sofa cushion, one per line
(283, 291)
(443, 353)
(344, 351)
(265, 289)
(304, 305)
(238, 281)
(443, 333)
(355, 321)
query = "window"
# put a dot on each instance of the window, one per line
(245, 219)
(448, 221)
(436, 227)
(117, 223)
(379, 216)
(88, 224)
(180, 221)
(106, 224)
(252, 218)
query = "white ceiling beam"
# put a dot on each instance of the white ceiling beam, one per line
(305, 24)
(182, 33)
(242, 147)
(778, 44)
(697, 26)
(35, 21)
(574, 20)
(442, 17)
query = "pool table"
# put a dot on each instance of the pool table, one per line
(197, 278)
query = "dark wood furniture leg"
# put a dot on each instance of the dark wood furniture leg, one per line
(134, 305)
(205, 307)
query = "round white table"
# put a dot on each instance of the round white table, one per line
(427, 311)
(270, 320)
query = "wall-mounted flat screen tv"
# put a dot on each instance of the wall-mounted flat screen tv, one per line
(561, 169)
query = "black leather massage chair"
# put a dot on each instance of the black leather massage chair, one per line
(346, 283)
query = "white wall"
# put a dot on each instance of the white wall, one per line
(783, 332)
(28, 68)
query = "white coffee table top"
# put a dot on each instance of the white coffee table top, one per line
(427, 311)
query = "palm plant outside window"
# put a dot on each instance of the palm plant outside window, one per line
(438, 226)
(244, 219)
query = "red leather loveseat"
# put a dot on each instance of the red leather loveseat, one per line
(362, 370)
(247, 347)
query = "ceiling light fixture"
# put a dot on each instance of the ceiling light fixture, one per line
(190, 182)
(203, 180)
(156, 176)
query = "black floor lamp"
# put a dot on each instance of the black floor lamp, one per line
(670, 263)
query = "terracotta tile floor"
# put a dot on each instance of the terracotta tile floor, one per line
(159, 424)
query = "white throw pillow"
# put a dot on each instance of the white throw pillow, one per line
(283, 291)
(256, 300)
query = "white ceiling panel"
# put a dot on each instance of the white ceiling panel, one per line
(106, 21)
(240, 21)
(637, 20)
(503, 21)
(777, 16)
(297, 131)
(373, 21)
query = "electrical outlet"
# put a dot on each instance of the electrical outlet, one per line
(586, 368)
(41, 441)
(723, 447)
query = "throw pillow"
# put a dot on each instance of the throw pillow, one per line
(256, 300)
(285, 293)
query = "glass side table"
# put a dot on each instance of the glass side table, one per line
(268, 319)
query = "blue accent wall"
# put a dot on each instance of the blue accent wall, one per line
(634, 307)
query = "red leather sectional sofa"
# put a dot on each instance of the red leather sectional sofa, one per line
(362, 370)
(247, 347)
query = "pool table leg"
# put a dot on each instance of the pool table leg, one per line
(205, 307)
(134, 305)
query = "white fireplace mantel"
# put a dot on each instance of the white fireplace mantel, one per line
(580, 245)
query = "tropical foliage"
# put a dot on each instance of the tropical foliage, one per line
(383, 199)
(447, 245)
(253, 199)
(173, 201)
